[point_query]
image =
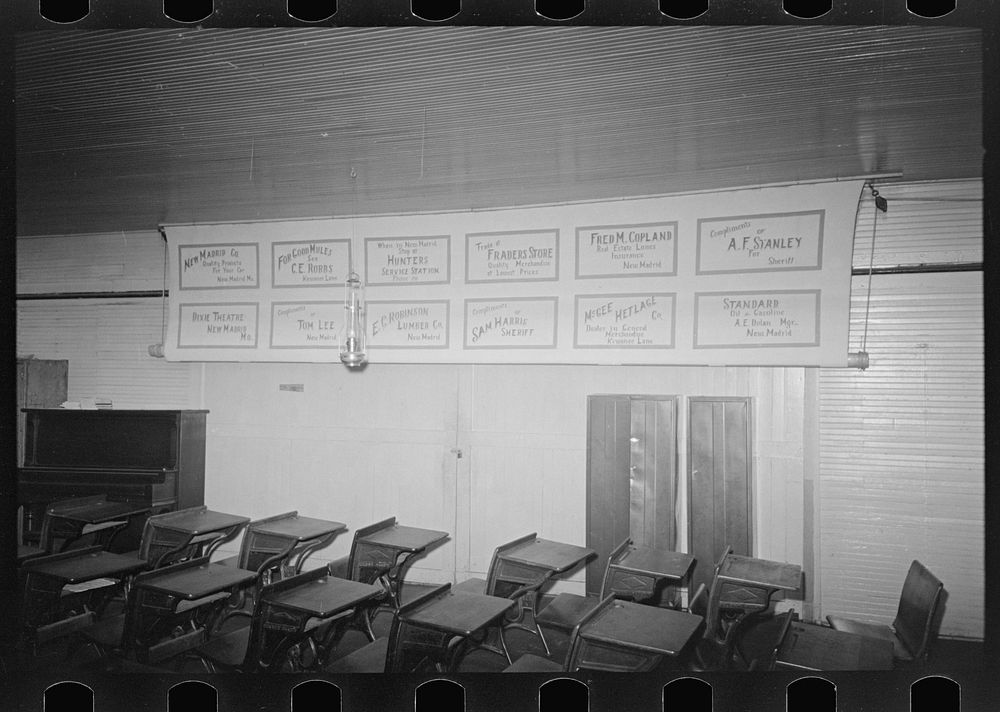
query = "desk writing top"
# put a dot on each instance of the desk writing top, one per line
(459, 613)
(761, 572)
(325, 597)
(651, 629)
(661, 563)
(202, 522)
(814, 647)
(100, 512)
(87, 567)
(198, 581)
(553, 556)
(407, 539)
(300, 528)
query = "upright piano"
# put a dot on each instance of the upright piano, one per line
(151, 457)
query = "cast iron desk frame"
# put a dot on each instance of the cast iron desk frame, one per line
(532, 565)
(747, 574)
(45, 580)
(648, 633)
(204, 584)
(206, 528)
(301, 536)
(398, 546)
(642, 569)
(458, 614)
(93, 514)
(294, 615)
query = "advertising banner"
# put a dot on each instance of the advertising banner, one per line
(757, 276)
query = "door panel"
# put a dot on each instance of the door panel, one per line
(653, 458)
(608, 492)
(631, 475)
(719, 478)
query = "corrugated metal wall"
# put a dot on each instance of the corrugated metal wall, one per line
(902, 444)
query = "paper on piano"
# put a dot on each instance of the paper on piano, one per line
(98, 403)
(87, 586)
(75, 405)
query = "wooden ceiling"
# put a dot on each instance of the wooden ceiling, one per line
(122, 130)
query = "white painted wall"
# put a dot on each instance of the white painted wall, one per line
(356, 447)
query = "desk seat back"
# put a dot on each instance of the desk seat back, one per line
(492, 578)
(55, 527)
(40, 594)
(608, 585)
(259, 551)
(267, 632)
(712, 615)
(366, 563)
(602, 656)
(148, 616)
(918, 605)
(767, 638)
(159, 545)
(408, 645)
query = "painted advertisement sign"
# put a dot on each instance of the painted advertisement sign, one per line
(626, 250)
(788, 318)
(528, 256)
(408, 260)
(510, 323)
(218, 266)
(221, 325)
(625, 321)
(761, 243)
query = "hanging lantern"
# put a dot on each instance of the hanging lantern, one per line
(352, 345)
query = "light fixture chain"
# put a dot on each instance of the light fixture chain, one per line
(871, 264)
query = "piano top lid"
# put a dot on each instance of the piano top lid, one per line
(119, 439)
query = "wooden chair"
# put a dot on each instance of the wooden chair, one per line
(403, 650)
(258, 552)
(161, 546)
(728, 603)
(715, 650)
(582, 655)
(51, 609)
(755, 644)
(143, 630)
(566, 610)
(490, 584)
(366, 564)
(495, 585)
(162, 628)
(263, 644)
(57, 532)
(723, 645)
(264, 554)
(108, 635)
(911, 630)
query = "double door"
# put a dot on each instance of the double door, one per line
(633, 483)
